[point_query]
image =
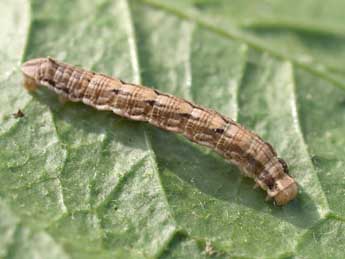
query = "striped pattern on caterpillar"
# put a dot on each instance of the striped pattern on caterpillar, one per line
(255, 157)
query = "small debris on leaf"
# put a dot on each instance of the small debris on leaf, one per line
(18, 114)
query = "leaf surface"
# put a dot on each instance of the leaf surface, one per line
(80, 183)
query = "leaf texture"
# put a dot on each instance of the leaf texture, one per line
(79, 183)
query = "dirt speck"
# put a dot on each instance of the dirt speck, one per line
(18, 114)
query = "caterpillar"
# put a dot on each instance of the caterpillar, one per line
(255, 157)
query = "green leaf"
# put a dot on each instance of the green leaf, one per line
(80, 183)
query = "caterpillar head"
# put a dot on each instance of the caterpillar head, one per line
(286, 186)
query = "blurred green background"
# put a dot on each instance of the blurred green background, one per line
(79, 183)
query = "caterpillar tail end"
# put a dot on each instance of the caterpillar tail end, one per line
(287, 193)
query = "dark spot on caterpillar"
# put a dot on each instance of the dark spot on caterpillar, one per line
(185, 115)
(226, 120)
(65, 90)
(267, 179)
(160, 104)
(156, 92)
(120, 92)
(150, 102)
(219, 130)
(284, 165)
(236, 149)
(256, 166)
(50, 82)
(269, 182)
(123, 82)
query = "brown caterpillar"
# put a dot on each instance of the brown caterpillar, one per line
(255, 157)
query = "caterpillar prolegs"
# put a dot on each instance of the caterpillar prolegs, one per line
(255, 157)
